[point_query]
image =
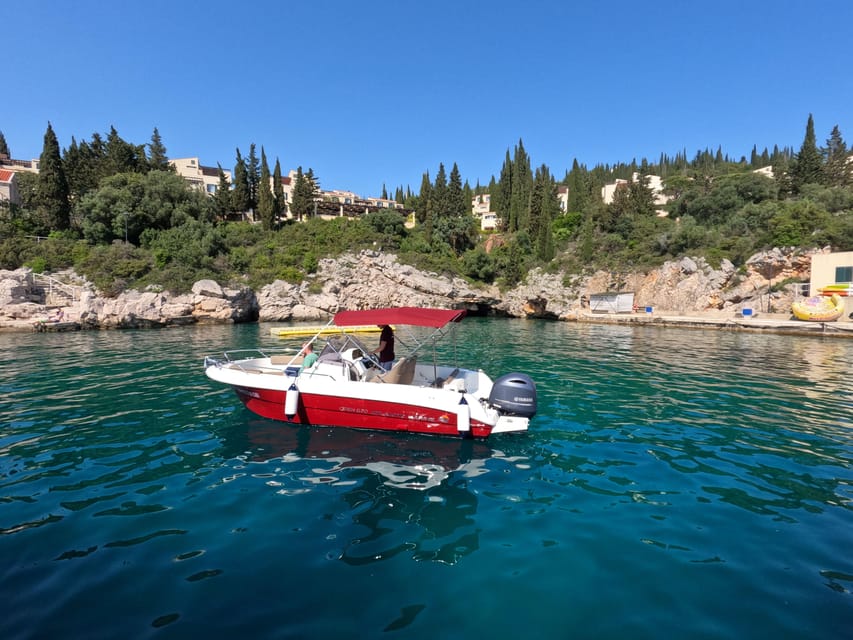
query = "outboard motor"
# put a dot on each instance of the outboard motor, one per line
(514, 394)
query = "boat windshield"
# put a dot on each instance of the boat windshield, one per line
(337, 344)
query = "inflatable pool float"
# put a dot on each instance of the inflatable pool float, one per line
(818, 308)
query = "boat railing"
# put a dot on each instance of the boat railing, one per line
(239, 358)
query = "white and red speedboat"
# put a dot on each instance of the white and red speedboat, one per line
(347, 387)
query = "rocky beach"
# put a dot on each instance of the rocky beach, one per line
(689, 291)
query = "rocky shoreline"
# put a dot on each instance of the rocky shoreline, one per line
(687, 287)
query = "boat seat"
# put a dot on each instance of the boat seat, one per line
(440, 382)
(403, 372)
(286, 359)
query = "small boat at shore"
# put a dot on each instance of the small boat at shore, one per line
(347, 387)
(818, 308)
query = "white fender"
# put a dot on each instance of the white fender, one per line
(291, 401)
(463, 416)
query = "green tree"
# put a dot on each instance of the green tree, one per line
(808, 165)
(544, 208)
(579, 188)
(502, 195)
(302, 205)
(437, 205)
(838, 169)
(278, 191)
(222, 198)
(798, 222)
(424, 197)
(4, 148)
(440, 196)
(241, 200)
(157, 200)
(85, 165)
(157, 158)
(53, 195)
(266, 203)
(641, 195)
(586, 239)
(122, 156)
(72, 160)
(457, 206)
(522, 185)
(253, 174)
(186, 251)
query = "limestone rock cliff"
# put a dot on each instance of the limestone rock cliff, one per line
(375, 279)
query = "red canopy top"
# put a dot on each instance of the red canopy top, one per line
(400, 315)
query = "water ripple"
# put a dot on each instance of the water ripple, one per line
(665, 470)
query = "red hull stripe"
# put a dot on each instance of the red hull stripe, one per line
(355, 413)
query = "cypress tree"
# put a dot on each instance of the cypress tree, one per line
(500, 197)
(278, 191)
(52, 192)
(157, 158)
(808, 167)
(424, 197)
(641, 196)
(241, 202)
(439, 203)
(313, 185)
(522, 185)
(73, 165)
(266, 205)
(578, 184)
(253, 174)
(4, 148)
(586, 238)
(84, 167)
(544, 207)
(468, 198)
(222, 197)
(838, 169)
(122, 157)
(457, 207)
(304, 191)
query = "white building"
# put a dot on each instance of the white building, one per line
(655, 183)
(481, 207)
(205, 179)
(9, 188)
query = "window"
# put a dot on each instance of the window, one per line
(844, 274)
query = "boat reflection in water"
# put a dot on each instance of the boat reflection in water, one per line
(403, 493)
(403, 460)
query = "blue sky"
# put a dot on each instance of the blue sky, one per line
(375, 93)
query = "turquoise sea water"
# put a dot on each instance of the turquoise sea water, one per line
(675, 483)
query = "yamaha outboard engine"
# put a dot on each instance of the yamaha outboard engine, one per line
(514, 394)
